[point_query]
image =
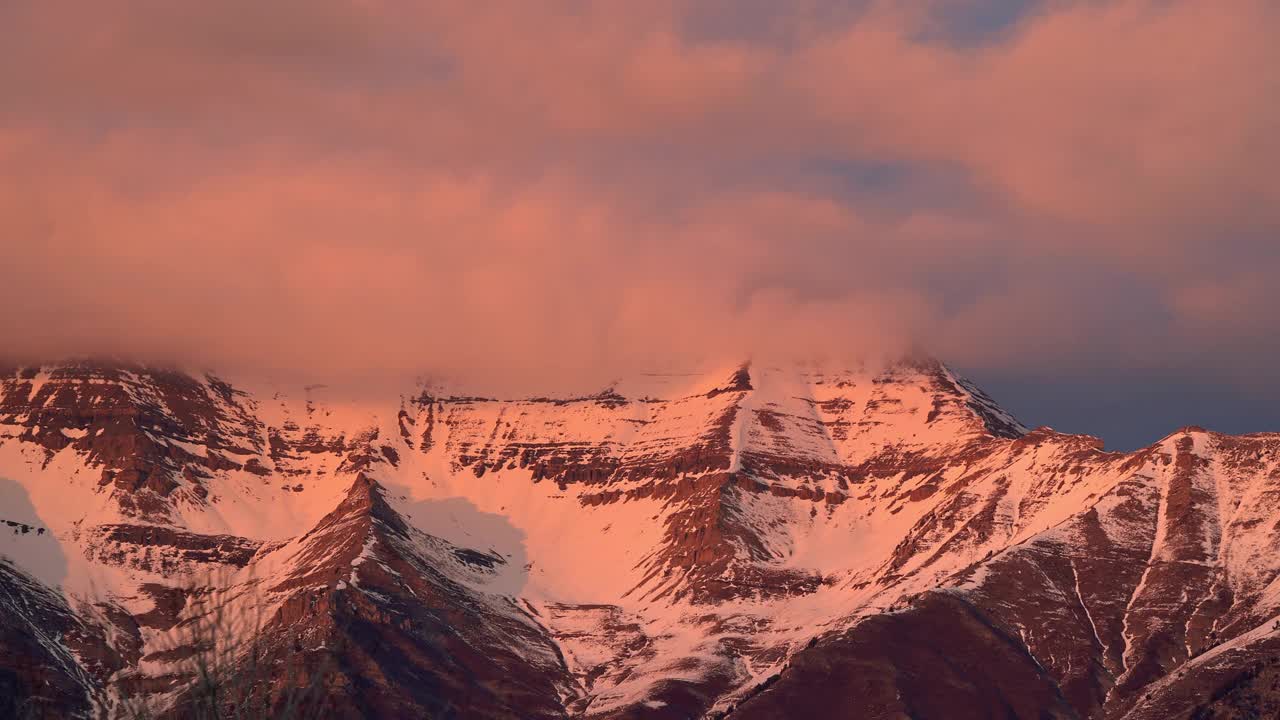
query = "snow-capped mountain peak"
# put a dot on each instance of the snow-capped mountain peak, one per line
(675, 545)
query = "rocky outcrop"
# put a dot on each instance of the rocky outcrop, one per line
(373, 618)
(39, 675)
(941, 658)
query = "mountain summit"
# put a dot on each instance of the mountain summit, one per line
(758, 542)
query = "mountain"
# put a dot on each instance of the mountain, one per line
(759, 542)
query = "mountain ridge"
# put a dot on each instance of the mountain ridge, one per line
(672, 553)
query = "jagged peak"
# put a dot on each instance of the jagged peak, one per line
(738, 381)
(365, 499)
(999, 422)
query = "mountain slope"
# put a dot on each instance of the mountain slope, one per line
(673, 546)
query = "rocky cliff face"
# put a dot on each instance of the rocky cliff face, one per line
(735, 544)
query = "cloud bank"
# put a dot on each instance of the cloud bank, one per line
(580, 188)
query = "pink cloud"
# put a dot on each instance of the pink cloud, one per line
(577, 188)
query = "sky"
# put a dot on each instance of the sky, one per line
(1073, 202)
